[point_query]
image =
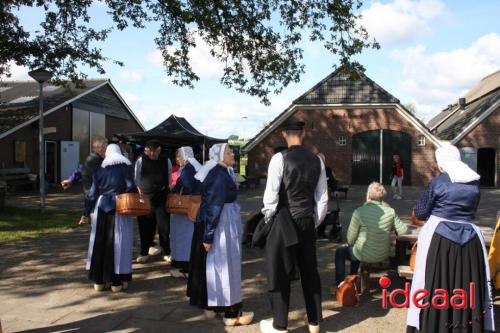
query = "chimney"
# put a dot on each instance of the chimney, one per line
(461, 102)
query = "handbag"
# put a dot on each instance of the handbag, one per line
(347, 293)
(413, 256)
(132, 204)
(194, 207)
(177, 203)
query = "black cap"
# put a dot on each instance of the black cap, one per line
(292, 125)
(153, 144)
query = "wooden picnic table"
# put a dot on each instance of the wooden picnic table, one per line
(403, 241)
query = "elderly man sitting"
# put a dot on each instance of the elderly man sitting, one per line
(368, 236)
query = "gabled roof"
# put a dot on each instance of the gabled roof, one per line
(339, 90)
(454, 122)
(343, 87)
(19, 101)
(462, 121)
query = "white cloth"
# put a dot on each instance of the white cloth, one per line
(448, 158)
(123, 241)
(424, 242)
(114, 156)
(223, 268)
(271, 194)
(216, 155)
(188, 155)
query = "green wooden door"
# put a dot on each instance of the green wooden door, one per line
(396, 143)
(366, 157)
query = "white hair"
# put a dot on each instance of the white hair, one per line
(376, 192)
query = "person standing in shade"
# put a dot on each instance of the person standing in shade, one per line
(295, 202)
(451, 253)
(86, 171)
(109, 260)
(214, 282)
(181, 227)
(152, 176)
(397, 177)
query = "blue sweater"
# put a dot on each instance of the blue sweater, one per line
(452, 201)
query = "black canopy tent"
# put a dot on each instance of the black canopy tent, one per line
(173, 132)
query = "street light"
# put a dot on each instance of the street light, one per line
(41, 75)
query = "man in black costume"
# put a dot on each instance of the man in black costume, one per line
(295, 203)
(152, 176)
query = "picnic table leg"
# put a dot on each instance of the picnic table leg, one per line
(401, 252)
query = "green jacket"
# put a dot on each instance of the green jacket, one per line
(370, 229)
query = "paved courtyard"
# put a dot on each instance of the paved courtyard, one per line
(43, 285)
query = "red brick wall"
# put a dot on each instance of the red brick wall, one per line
(486, 135)
(60, 119)
(322, 129)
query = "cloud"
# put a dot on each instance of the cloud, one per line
(18, 73)
(435, 80)
(133, 75)
(401, 20)
(130, 97)
(217, 117)
(202, 62)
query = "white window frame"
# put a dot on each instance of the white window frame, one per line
(421, 140)
(342, 140)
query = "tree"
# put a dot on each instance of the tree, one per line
(258, 41)
(411, 107)
(233, 137)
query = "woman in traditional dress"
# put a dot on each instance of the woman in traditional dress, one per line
(451, 253)
(215, 267)
(181, 227)
(109, 259)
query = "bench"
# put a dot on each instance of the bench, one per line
(366, 269)
(341, 189)
(405, 272)
(17, 176)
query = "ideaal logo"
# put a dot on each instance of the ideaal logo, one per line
(440, 299)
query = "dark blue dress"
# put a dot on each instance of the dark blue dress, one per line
(111, 240)
(215, 277)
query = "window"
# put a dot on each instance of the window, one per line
(341, 140)
(421, 140)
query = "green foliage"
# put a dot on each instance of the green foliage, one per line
(258, 41)
(17, 223)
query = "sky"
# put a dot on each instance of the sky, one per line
(432, 52)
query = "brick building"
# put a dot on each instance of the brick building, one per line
(473, 124)
(358, 126)
(72, 117)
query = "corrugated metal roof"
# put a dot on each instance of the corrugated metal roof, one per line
(462, 118)
(20, 103)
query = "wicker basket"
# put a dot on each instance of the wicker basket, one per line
(132, 204)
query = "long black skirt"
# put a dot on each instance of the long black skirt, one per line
(197, 280)
(451, 266)
(103, 254)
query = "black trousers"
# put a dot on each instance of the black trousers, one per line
(147, 229)
(309, 278)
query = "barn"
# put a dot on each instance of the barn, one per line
(359, 126)
(73, 115)
(473, 124)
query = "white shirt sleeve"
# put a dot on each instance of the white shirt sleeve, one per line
(271, 194)
(321, 197)
(137, 170)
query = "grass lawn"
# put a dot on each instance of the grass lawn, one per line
(17, 223)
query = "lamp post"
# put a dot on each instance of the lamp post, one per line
(41, 75)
